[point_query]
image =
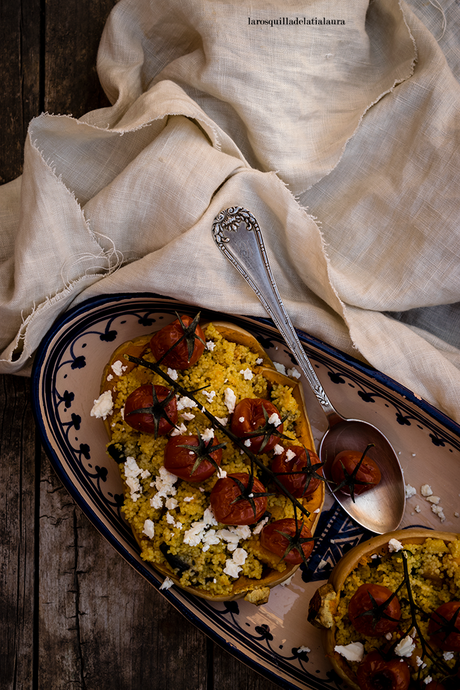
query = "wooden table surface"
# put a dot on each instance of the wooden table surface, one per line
(73, 613)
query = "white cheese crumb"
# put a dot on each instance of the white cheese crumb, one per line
(410, 491)
(352, 652)
(187, 499)
(290, 455)
(229, 400)
(427, 680)
(241, 419)
(417, 508)
(239, 556)
(274, 419)
(437, 510)
(109, 377)
(258, 528)
(208, 434)
(280, 367)
(149, 528)
(210, 345)
(172, 373)
(389, 636)
(118, 368)
(259, 360)
(222, 420)
(426, 490)
(405, 647)
(394, 545)
(433, 499)
(185, 402)
(171, 503)
(247, 374)
(304, 649)
(188, 416)
(221, 474)
(167, 583)
(210, 395)
(278, 449)
(248, 443)
(448, 656)
(103, 406)
(294, 373)
(181, 429)
(231, 568)
(418, 661)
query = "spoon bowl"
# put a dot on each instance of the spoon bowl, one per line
(238, 236)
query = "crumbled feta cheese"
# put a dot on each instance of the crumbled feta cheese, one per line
(164, 485)
(222, 420)
(172, 373)
(304, 649)
(448, 656)
(259, 360)
(167, 583)
(426, 490)
(280, 367)
(248, 443)
(149, 528)
(208, 434)
(418, 661)
(187, 416)
(118, 368)
(181, 429)
(352, 652)
(247, 374)
(231, 568)
(171, 503)
(239, 556)
(294, 373)
(427, 680)
(274, 419)
(417, 508)
(410, 491)
(210, 395)
(394, 545)
(229, 399)
(278, 449)
(210, 345)
(290, 455)
(187, 499)
(437, 510)
(258, 528)
(109, 377)
(221, 474)
(103, 406)
(389, 636)
(241, 419)
(433, 499)
(185, 402)
(405, 647)
(198, 530)
(145, 474)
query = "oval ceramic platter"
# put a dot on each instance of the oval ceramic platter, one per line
(275, 638)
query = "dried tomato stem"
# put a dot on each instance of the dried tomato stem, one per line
(253, 458)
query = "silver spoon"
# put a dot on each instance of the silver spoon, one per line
(238, 236)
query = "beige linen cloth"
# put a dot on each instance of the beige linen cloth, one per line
(335, 123)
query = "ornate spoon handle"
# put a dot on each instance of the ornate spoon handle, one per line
(238, 236)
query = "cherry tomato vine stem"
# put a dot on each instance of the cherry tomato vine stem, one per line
(215, 422)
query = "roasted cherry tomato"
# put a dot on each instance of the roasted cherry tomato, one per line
(249, 417)
(374, 673)
(300, 473)
(232, 502)
(192, 465)
(444, 626)
(352, 481)
(287, 540)
(184, 353)
(143, 413)
(367, 612)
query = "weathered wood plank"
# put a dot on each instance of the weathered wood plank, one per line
(20, 71)
(101, 623)
(17, 533)
(72, 34)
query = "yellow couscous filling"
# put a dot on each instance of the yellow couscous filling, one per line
(169, 516)
(434, 575)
